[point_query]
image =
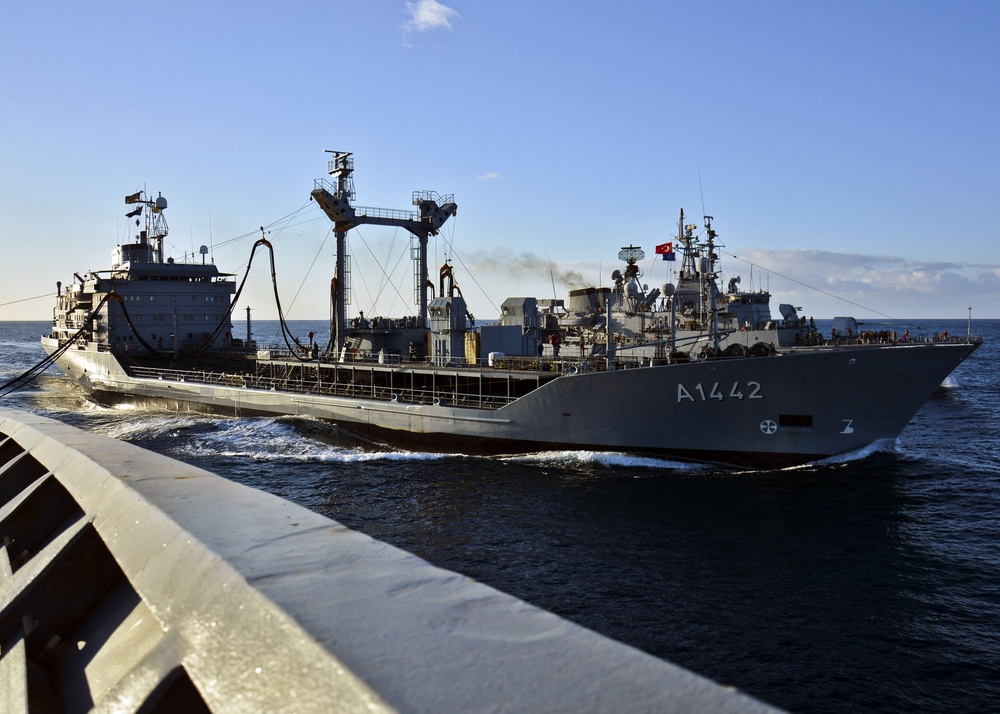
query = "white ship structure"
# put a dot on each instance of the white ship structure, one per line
(685, 370)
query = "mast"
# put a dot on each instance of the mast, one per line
(341, 168)
(699, 268)
(712, 305)
(685, 237)
(156, 222)
(336, 202)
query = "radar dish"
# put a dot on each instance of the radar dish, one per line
(631, 254)
(203, 250)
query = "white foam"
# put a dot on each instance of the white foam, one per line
(881, 446)
(276, 439)
(612, 459)
(150, 426)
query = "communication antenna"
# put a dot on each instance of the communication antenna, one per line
(702, 191)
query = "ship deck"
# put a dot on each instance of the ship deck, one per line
(472, 386)
(390, 379)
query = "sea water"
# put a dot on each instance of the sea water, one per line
(869, 582)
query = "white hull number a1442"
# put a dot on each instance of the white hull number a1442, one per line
(704, 392)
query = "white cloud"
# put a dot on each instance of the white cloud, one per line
(426, 15)
(898, 285)
(823, 283)
(489, 176)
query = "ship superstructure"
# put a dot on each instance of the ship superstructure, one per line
(152, 306)
(689, 319)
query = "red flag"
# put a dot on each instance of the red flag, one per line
(666, 250)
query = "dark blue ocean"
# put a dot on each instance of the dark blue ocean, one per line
(867, 583)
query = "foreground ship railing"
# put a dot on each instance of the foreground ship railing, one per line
(131, 582)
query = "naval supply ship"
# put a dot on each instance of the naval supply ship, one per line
(685, 370)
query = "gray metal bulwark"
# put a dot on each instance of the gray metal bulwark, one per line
(130, 582)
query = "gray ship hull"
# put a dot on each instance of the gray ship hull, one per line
(771, 411)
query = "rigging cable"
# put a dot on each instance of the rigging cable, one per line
(311, 266)
(29, 375)
(15, 302)
(287, 217)
(811, 287)
(385, 280)
(472, 275)
(387, 276)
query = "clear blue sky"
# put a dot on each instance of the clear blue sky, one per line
(852, 146)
